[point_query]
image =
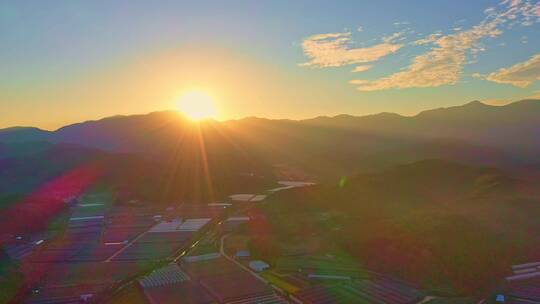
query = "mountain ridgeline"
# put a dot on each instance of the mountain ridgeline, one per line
(324, 146)
(164, 157)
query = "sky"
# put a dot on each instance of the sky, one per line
(63, 62)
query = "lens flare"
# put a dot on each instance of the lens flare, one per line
(197, 105)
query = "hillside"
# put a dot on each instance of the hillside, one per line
(23, 134)
(443, 225)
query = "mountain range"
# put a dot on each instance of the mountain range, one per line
(323, 146)
(164, 157)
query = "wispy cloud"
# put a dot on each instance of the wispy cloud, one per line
(361, 68)
(520, 75)
(401, 23)
(392, 38)
(523, 12)
(334, 50)
(443, 63)
(429, 39)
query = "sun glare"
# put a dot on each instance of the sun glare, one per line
(197, 105)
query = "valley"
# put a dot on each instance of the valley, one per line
(339, 209)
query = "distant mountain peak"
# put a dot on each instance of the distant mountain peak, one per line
(21, 134)
(20, 128)
(474, 103)
(442, 112)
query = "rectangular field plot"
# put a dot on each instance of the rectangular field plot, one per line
(236, 285)
(65, 274)
(360, 292)
(148, 251)
(168, 275)
(185, 292)
(166, 226)
(214, 267)
(198, 211)
(129, 221)
(169, 237)
(76, 252)
(65, 295)
(118, 235)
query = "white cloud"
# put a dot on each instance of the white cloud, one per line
(520, 75)
(443, 63)
(360, 28)
(401, 23)
(361, 68)
(477, 75)
(358, 81)
(523, 12)
(429, 39)
(334, 50)
(392, 38)
(490, 10)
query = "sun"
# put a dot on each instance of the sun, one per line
(197, 105)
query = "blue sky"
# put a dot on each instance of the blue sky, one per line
(76, 60)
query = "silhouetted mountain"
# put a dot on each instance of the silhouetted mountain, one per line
(23, 134)
(473, 133)
(125, 133)
(509, 127)
(323, 146)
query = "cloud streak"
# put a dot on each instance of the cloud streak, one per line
(442, 63)
(361, 68)
(520, 75)
(334, 50)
